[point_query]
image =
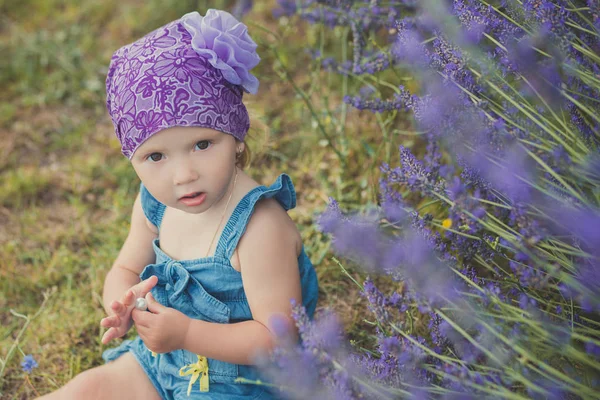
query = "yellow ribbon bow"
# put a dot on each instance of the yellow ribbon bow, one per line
(201, 367)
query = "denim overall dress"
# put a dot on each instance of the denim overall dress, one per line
(209, 289)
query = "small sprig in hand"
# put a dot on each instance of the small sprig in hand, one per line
(162, 329)
(120, 321)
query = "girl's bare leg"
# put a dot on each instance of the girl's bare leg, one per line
(122, 378)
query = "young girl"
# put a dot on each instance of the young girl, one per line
(213, 253)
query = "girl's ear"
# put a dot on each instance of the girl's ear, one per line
(240, 147)
(242, 156)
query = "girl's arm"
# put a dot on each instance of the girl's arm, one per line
(269, 263)
(136, 253)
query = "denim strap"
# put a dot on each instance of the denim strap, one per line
(154, 210)
(282, 190)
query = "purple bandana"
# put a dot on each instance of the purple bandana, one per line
(191, 72)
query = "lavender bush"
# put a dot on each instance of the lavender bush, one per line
(491, 229)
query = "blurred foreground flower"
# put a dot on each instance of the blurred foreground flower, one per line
(489, 223)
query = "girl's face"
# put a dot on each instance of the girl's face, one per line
(187, 168)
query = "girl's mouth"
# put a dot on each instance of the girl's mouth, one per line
(191, 195)
(193, 199)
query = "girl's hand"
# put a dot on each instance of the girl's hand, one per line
(163, 329)
(120, 322)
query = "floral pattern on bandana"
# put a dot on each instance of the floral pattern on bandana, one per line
(160, 81)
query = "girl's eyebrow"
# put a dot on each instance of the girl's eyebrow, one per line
(206, 134)
(192, 141)
(151, 150)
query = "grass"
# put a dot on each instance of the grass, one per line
(66, 192)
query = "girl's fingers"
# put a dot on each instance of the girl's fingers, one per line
(107, 322)
(138, 290)
(128, 298)
(116, 306)
(113, 320)
(119, 309)
(147, 284)
(111, 334)
(151, 282)
(107, 337)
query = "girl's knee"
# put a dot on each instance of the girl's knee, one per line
(123, 378)
(87, 385)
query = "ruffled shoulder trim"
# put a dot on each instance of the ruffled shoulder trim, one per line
(283, 191)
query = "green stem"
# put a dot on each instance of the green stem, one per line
(28, 320)
(555, 175)
(342, 125)
(537, 362)
(427, 204)
(468, 337)
(347, 273)
(504, 393)
(310, 107)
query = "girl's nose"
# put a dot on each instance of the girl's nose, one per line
(185, 173)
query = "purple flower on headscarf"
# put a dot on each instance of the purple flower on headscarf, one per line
(179, 63)
(147, 86)
(164, 90)
(147, 120)
(226, 44)
(156, 41)
(126, 104)
(133, 68)
(181, 105)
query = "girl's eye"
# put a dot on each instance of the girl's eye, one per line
(203, 144)
(155, 157)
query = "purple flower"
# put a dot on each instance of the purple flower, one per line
(279, 325)
(28, 363)
(375, 105)
(593, 349)
(544, 76)
(319, 366)
(377, 300)
(226, 44)
(358, 237)
(394, 209)
(583, 223)
(286, 7)
(241, 8)
(456, 189)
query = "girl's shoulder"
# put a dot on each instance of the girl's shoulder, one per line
(271, 226)
(270, 214)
